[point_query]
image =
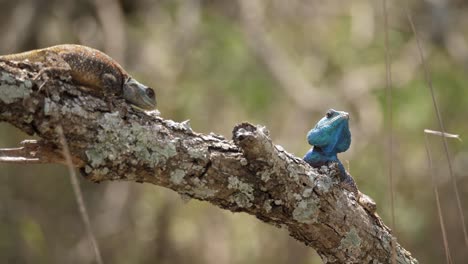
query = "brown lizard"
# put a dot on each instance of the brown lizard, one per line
(91, 68)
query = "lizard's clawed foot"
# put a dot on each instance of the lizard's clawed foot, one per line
(54, 65)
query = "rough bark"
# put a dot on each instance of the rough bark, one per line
(249, 174)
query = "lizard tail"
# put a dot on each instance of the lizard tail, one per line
(33, 56)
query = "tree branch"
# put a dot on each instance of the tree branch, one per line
(249, 174)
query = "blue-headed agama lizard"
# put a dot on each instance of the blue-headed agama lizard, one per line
(91, 68)
(329, 137)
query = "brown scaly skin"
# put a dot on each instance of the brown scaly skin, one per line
(92, 68)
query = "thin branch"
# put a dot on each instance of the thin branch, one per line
(389, 150)
(438, 133)
(436, 193)
(427, 76)
(34, 152)
(79, 195)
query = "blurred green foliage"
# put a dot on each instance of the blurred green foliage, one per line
(207, 64)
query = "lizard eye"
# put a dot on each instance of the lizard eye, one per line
(329, 113)
(150, 92)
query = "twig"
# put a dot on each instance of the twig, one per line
(79, 195)
(389, 150)
(35, 152)
(438, 133)
(441, 126)
(436, 193)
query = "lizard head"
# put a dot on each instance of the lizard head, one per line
(331, 134)
(138, 94)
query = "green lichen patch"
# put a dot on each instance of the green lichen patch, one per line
(311, 175)
(265, 175)
(351, 241)
(306, 211)
(201, 190)
(102, 171)
(12, 91)
(117, 139)
(183, 126)
(386, 239)
(75, 109)
(241, 200)
(267, 205)
(49, 107)
(88, 169)
(297, 196)
(197, 153)
(307, 192)
(177, 176)
(323, 184)
(244, 162)
(95, 157)
(245, 196)
(7, 78)
(294, 171)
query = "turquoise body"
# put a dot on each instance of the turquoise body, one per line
(329, 137)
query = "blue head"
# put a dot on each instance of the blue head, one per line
(330, 136)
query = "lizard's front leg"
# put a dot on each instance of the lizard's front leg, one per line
(347, 182)
(54, 66)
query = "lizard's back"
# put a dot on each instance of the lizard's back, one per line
(88, 66)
